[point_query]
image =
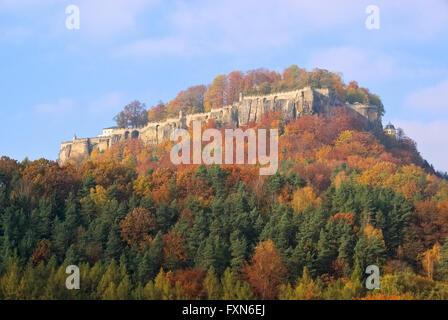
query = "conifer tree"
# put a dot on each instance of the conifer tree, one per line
(212, 285)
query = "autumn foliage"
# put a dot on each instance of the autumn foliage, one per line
(345, 196)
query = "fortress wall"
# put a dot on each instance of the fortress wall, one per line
(291, 105)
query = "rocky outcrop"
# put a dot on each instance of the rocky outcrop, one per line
(291, 105)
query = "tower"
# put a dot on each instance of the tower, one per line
(390, 130)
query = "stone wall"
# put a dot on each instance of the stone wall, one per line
(291, 105)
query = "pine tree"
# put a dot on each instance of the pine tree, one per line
(354, 288)
(307, 288)
(114, 244)
(238, 249)
(11, 283)
(124, 289)
(212, 285)
(109, 281)
(163, 287)
(229, 285)
(110, 293)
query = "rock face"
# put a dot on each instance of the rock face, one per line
(291, 105)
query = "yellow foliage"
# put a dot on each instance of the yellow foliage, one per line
(407, 180)
(323, 152)
(344, 138)
(94, 155)
(370, 231)
(340, 178)
(98, 195)
(378, 175)
(430, 259)
(142, 185)
(305, 197)
(442, 193)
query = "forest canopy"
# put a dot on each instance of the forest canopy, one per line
(140, 228)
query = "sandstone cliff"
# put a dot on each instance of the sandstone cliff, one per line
(292, 104)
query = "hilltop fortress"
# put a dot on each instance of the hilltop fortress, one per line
(291, 104)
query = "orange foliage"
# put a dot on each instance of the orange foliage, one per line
(347, 217)
(266, 271)
(191, 281)
(42, 252)
(136, 228)
(161, 179)
(370, 231)
(174, 246)
(304, 198)
(430, 221)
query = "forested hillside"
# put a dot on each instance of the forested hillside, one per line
(141, 228)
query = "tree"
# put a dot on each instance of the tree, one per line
(174, 250)
(235, 87)
(293, 77)
(356, 94)
(215, 97)
(369, 249)
(234, 289)
(191, 281)
(114, 245)
(430, 259)
(138, 226)
(134, 115)
(303, 198)
(238, 248)
(188, 101)
(212, 285)
(157, 113)
(124, 288)
(42, 252)
(307, 288)
(265, 272)
(11, 284)
(354, 288)
(442, 268)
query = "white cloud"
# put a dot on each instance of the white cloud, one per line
(431, 139)
(433, 99)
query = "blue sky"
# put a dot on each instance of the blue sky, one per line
(57, 82)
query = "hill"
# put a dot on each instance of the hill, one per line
(346, 196)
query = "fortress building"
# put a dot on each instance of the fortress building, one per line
(291, 104)
(390, 130)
